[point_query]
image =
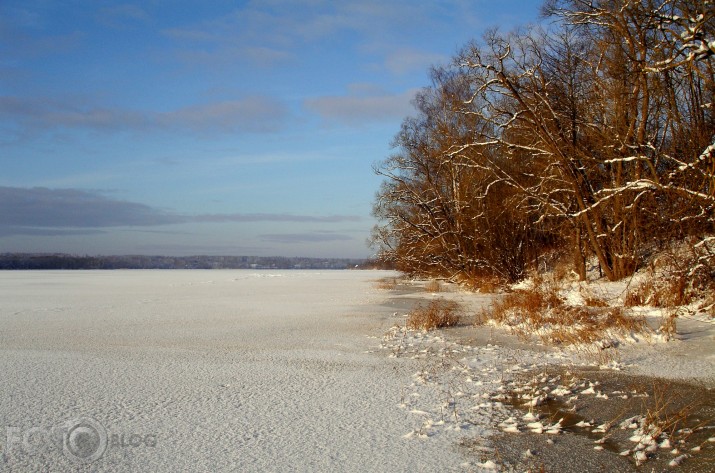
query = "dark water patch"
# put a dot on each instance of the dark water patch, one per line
(619, 404)
(555, 410)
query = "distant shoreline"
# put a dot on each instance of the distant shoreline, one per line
(61, 261)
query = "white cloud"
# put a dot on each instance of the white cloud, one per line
(263, 217)
(268, 32)
(362, 105)
(72, 208)
(292, 238)
(250, 114)
(121, 16)
(403, 61)
(253, 114)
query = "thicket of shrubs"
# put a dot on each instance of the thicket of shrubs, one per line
(590, 139)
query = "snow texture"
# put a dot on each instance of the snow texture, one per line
(232, 370)
(204, 371)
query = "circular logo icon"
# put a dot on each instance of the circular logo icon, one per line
(85, 440)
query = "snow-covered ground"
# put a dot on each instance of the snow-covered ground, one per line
(265, 371)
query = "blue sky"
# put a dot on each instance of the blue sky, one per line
(212, 127)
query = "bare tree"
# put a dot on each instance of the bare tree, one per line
(616, 134)
(445, 215)
(598, 132)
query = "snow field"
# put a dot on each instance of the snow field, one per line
(225, 370)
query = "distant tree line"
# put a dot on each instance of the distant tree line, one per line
(22, 261)
(592, 137)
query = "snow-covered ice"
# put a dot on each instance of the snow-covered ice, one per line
(280, 371)
(204, 371)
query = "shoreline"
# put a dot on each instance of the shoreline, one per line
(574, 449)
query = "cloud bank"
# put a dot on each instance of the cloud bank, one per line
(54, 212)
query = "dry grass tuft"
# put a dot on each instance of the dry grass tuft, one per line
(665, 414)
(659, 293)
(484, 284)
(541, 311)
(437, 314)
(639, 295)
(527, 305)
(433, 286)
(593, 301)
(668, 325)
(708, 304)
(387, 284)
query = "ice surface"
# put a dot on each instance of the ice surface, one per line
(204, 371)
(234, 370)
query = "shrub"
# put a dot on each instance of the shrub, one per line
(437, 314)
(484, 284)
(593, 301)
(677, 277)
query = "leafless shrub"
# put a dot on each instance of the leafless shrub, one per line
(659, 293)
(563, 269)
(640, 294)
(489, 285)
(484, 284)
(593, 301)
(439, 313)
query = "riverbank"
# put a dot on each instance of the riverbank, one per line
(560, 409)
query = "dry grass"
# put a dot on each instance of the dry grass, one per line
(668, 325)
(708, 304)
(593, 301)
(657, 292)
(639, 295)
(532, 305)
(486, 284)
(437, 314)
(666, 415)
(387, 284)
(563, 269)
(678, 277)
(433, 286)
(541, 311)
(679, 418)
(656, 421)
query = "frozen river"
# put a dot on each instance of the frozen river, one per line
(202, 371)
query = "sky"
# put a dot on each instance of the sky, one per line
(212, 127)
